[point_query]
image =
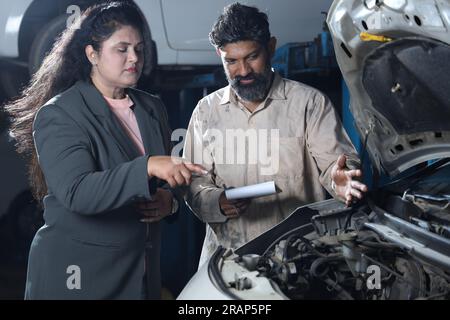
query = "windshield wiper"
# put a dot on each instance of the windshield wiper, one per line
(438, 197)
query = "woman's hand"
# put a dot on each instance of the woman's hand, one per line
(158, 208)
(176, 171)
(344, 184)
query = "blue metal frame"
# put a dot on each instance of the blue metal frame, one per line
(349, 124)
(305, 57)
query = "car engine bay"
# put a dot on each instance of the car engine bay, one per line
(392, 246)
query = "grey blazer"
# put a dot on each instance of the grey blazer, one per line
(92, 245)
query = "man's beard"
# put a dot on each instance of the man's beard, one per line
(255, 91)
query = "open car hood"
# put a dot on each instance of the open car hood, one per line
(398, 76)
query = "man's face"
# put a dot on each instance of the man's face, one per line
(247, 67)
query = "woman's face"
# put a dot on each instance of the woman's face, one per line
(120, 60)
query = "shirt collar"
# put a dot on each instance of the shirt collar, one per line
(123, 104)
(276, 92)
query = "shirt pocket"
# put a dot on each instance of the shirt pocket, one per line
(291, 153)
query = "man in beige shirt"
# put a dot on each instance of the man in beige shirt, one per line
(262, 128)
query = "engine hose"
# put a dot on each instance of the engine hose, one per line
(285, 249)
(384, 245)
(342, 292)
(314, 270)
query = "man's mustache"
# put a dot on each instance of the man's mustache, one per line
(250, 76)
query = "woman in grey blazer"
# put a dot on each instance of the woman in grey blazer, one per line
(98, 161)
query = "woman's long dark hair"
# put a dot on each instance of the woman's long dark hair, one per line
(62, 67)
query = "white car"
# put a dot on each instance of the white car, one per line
(179, 29)
(396, 243)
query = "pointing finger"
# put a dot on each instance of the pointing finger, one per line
(196, 168)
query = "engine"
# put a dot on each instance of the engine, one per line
(344, 259)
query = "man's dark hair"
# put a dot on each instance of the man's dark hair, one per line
(240, 23)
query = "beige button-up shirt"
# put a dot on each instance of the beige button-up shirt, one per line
(293, 138)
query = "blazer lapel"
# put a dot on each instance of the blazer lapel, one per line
(98, 105)
(149, 126)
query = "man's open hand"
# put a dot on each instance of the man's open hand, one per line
(345, 185)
